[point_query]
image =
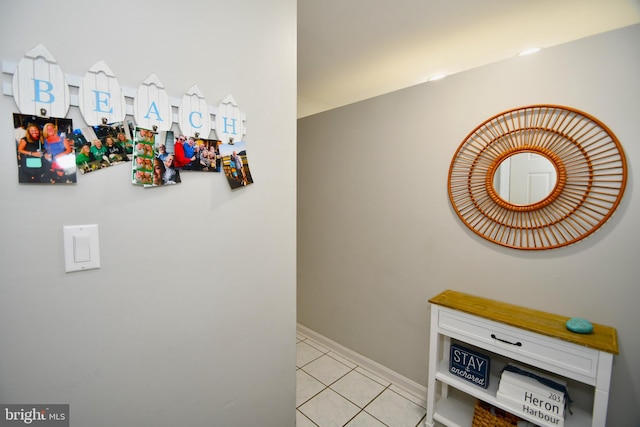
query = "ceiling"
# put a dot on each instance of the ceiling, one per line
(350, 50)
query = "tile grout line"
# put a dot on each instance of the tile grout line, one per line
(354, 369)
(365, 406)
(327, 352)
(305, 415)
(360, 409)
(325, 386)
(414, 389)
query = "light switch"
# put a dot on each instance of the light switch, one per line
(81, 247)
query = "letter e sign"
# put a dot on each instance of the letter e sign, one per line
(100, 96)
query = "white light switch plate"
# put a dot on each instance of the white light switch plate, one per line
(81, 247)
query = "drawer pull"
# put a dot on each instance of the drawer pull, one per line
(519, 344)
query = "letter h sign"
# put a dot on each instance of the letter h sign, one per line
(229, 121)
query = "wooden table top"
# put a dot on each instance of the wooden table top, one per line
(603, 338)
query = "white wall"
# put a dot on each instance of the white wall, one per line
(191, 319)
(377, 236)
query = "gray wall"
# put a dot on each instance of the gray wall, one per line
(377, 236)
(191, 319)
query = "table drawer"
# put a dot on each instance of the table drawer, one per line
(558, 356)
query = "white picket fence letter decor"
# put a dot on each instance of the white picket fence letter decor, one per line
(100, 97)
(193, 114)
(230, 121)
(151, 106)
(39, 85)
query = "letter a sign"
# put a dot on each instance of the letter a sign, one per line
(151, 106)
(39, 83)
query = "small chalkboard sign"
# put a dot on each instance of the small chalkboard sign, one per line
(469, 365)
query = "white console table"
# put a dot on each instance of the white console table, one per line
(507, 332)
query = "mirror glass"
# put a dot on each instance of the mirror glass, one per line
(525, 178)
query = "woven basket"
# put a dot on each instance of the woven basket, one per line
(485, 415)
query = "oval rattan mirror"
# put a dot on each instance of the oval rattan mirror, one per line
(590, 177)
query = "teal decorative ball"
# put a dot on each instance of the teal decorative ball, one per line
(579, 325)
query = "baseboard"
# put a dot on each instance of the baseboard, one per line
(368, 364)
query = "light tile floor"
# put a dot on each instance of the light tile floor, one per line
(332, 391)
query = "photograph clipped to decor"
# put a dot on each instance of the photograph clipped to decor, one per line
(44, 150)
(197, 154)
(98, 147)
(208, 155)
(142, 156)
(235, 164)
(164, 170)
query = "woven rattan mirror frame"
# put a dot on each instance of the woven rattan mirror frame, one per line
(591, 177)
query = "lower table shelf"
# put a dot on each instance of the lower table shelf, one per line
(454, 412)
(456, 409)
